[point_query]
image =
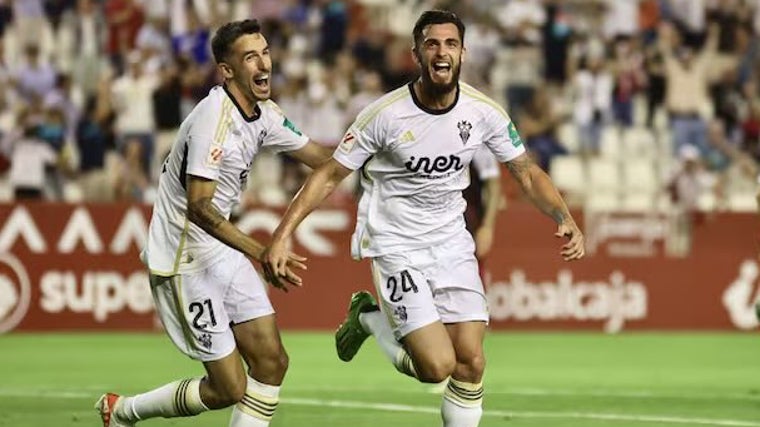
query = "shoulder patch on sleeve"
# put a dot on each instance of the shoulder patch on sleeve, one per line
(513, 135)
(288, 124)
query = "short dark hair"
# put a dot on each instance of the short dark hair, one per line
(431, 17)
(227, 34)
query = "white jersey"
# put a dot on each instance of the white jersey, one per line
(216, 141)
(485, 164)
(415, 163)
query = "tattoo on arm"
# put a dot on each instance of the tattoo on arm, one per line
(203, 213)
(558, 216)
(520, 168)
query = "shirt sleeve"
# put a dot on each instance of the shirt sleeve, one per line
(362, 141)
(282, 134)
(486, 164)
(205, 140)
(503, 140)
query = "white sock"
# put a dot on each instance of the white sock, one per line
(177, 399)
(462, 404)
(257, 407)
(376, 324)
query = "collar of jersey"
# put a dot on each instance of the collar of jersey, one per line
(247, 118)
(432, 111)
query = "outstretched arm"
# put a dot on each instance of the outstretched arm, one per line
(317, 187)
(544, 195)
(202, 212)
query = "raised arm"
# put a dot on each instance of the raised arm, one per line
(202, 212)
(317, 187)
(540, 189)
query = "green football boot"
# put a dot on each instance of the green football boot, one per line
(350, 334)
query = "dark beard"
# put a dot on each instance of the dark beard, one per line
(438, 89)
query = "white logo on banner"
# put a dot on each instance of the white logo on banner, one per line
(614, 301)
(15, 293)
(740, 296)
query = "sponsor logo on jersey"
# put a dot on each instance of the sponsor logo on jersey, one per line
(513, 135)
(439, 164)
(214, 156)
(288, 124)
(347, 143)
(464, 130)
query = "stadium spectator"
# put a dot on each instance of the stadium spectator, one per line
(31, 159)
(592, 91)
(132, 100)
(94, 138)
(34, 77)
(538, 125)
(410, 221)
(687, 82)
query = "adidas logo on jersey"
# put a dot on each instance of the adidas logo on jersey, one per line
(408, 136)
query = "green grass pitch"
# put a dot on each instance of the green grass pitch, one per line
(532, 380)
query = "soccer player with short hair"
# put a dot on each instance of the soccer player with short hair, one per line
(413, 147)
(209, 297)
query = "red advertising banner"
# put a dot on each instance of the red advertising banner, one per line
(76, 267)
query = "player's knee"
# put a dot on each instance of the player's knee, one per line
(436, 370)
(223, 395)
(281, 363)
(471, 366)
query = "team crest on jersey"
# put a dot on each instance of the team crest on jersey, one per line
(215, 156)
(464, 130)
(205, 340)
(347, 143)
(262, 136)
(400, 313)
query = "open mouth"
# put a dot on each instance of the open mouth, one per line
(262, 81)
(441, 68)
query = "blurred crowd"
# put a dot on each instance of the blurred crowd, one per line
(93, 91)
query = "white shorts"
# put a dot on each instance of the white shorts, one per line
(423, 286)
(198, 309)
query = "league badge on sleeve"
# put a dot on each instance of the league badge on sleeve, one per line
(347, 143)
(214, 156)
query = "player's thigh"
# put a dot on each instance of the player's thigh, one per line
(432, 351)
(405, 296)
(467, 341)
(191, 308)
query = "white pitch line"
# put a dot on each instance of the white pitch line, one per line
(394, 407)
(633, 394)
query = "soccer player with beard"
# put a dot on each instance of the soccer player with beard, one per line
(208, 296)
(414, 146)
